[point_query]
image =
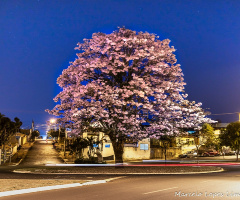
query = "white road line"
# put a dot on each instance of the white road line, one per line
(39, 189)
(160, 190)
(112, 179)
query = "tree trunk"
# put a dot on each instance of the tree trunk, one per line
(118, 150)
(197, 154)
(118, 156)
(4, 149)
(4, 153)
(237, 153)
(165, 154)
(118, 145)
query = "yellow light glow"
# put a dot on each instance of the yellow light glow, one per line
(52, 121)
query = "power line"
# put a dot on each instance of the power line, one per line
(226, 113)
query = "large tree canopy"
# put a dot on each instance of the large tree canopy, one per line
(123, 80)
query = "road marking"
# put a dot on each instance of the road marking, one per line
(54, 187)
(160, 190)
(111, 179)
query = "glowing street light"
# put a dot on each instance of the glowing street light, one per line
(52, 121)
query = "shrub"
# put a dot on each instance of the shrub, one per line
(90, 160)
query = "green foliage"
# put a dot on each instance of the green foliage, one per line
(91, 142)
(90, 160)
(167, 141)
(78, 144)
(35, 133)
(55, 133)
(81, 143)
(231, 136)
(18, 124)
(211, 141)
(8, 128)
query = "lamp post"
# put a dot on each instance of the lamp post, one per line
(53, 121)
(197, 143)
(59, 131)
(65, 143)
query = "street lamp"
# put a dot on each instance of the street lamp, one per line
(52, 121)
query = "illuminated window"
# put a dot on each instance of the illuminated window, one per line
(143, 146)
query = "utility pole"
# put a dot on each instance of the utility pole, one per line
(4, 150)
(59, 131)
(65, 143)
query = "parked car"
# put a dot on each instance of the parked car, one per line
(183, 155)
(189, 154)
(211, 153)
(230, 153)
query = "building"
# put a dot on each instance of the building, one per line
(132, 151)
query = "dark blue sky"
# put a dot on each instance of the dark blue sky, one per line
(38, 37)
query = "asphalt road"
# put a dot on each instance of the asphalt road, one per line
(223, 185)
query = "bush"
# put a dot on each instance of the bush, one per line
(79, 161)
(90, 160)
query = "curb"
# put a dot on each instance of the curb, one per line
(176, 173)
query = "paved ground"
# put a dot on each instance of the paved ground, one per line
(223, 185)
(41, 153)
(122, 186)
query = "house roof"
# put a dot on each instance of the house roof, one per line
(20, 134)
(220, 125)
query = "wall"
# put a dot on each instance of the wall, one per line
(24, 140)
(172, 152)
(131, 152)
(19, 140)
(136, 153)
(14, 149)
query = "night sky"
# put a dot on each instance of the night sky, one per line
(38, 37)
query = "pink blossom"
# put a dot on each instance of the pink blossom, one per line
(136, 72)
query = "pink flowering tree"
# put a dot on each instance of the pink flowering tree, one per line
(123, 80)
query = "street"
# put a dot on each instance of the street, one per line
(219, 185)
(223, 185)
